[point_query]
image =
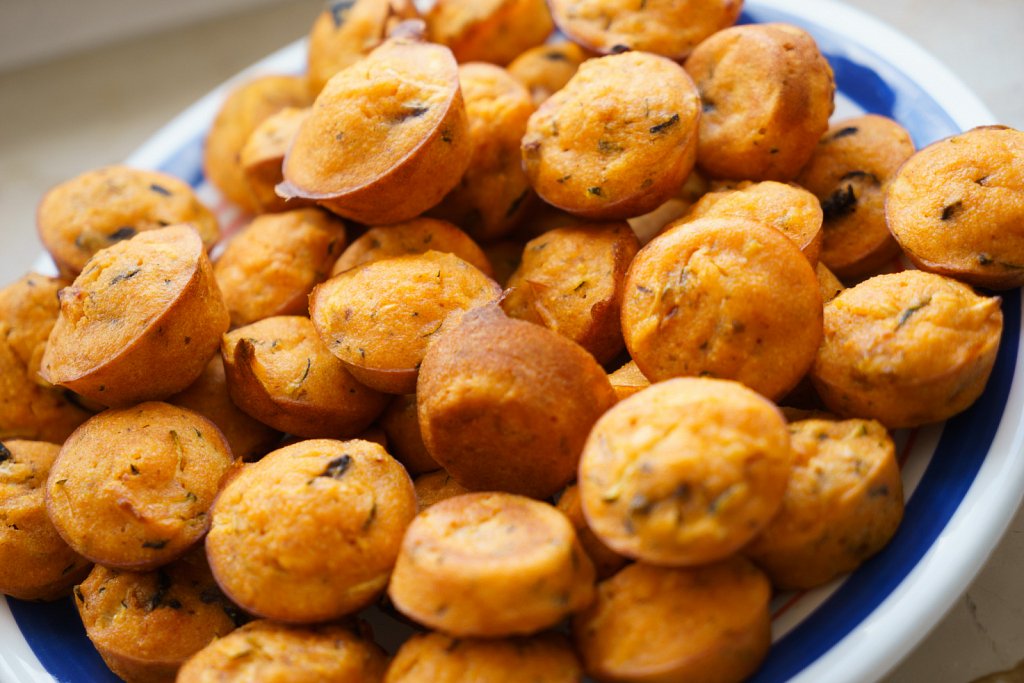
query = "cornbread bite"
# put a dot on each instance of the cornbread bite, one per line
(145, 625)
(387, 138)
(907, 349)
(545, 69)
(381, 317)
(433, 487)
(311, 532)
(656, 625)
(263, 651)
(489, 30)
(955, 207)
(245, 108)
(685, 472)
(611, 145)
(402, 426)
(141, 321)
(132, 487)
(271, 267)
(843, 503)
(506, 405)
(849, 172)
(723, 297)
(30, 411)
(490, 565)
(417, 236)
(102, 207)
(35, 562)
(766, 92)
(29, 407)
(792, 210)
(348, 30)
(248, 437)
(262, 155)
(28, 310)
(493, 194)
(606, 561)
(280, 373)
(571, 280)
(628, 380)
(437, 658)
(670, 29)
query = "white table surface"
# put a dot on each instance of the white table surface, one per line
(64, 117)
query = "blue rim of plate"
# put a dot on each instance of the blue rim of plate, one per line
(876, 85)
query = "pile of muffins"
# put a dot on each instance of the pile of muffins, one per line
(563, 352)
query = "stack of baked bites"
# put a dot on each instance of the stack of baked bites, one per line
(568, 296)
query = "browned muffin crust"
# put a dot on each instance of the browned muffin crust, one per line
(35, 562)
(132, 487)
(506, 405)
(310, 532)
(141, 322)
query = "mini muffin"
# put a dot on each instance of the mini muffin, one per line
(618, 140)
(245, 108)
(655, 625)
(387, 137)
(29, 407)
(571, 280)
(132, 487)
(311, 532)
(489, 30)
(141, 322)
(280, 373)
(417, 236)
(792, 210)
(402, 426)
(685, 472)
(955, 207)
(671, 29)
(849, 171)
(437, 658)
(907, 349)
(271, 267)
(494, 193)
(545, 69)
(28, 310)
(248, 437)
(348, 30)
(262, 155)
(628, 380)
(433, 487)
(828, 283)
(102, 207)
(506, 405)
(263, 651)
(35, 562)
(30, 411)
(145, 625)
(381, 317)
(843, 503)
(766, 92)
(606, 561)
(491, 565)
(723, 297)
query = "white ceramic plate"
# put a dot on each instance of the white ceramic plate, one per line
(963, 479)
